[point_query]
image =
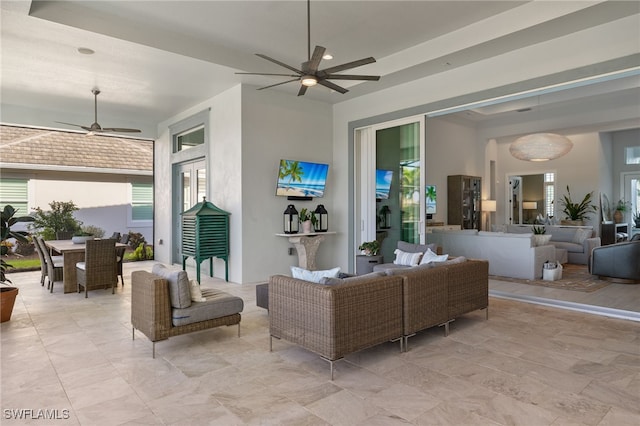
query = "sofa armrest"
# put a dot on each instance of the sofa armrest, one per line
(589, 244)
(468, 287)
(150, 305)
(335, 320)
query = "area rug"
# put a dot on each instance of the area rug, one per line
(574, 277)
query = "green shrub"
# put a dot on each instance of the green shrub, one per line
(142, 252)
(93, 230)
(135, 239)
(59, 218)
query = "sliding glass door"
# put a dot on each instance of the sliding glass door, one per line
(390, 195)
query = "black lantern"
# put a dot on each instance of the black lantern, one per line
(322, 219)
(385, 217)
(291, 223)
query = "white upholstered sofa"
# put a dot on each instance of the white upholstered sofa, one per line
(509, 255)
(579, 241)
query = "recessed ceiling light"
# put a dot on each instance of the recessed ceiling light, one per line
(327, 56)
(85, 51)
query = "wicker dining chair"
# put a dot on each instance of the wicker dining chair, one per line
(43, 262)
(53, 264)
(64, 235)
(99, 267)
(119, 258)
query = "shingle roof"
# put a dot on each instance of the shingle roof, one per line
(44, 147)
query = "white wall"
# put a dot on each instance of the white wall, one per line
(250, 132)
(451, 149)
(580, 169)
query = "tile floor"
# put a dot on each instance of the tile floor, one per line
(527, 365)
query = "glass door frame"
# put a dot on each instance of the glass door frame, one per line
(195, 194)
(365, 211)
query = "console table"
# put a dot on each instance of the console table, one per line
(307, 246)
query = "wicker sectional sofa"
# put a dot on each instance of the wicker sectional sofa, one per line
(336, 320)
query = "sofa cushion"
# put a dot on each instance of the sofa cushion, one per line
(218, 304)
(570, 247)
(415, 248)
(313, 276)
(407, 259)
(581, 235)
(179, 285)
(386, 266)
(354, 279)
(431, 257)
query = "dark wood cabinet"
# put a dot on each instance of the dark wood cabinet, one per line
(464, 201)
(611, 233)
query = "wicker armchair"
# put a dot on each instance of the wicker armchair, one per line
(99, 268)
(151, 311)
(53, 265)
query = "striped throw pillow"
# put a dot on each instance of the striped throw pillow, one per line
(407, 259)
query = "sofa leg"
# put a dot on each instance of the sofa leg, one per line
(238, 329)
(133, 333)
(446, 327)
(331, 368)
(153, 350)
(486, 313)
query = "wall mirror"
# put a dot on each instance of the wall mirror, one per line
(529, 196)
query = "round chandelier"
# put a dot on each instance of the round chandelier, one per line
(540, 147)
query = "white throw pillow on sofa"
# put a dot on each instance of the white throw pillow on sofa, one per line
(313, 276)
(431, 257)
(196, 292)
(407, 259)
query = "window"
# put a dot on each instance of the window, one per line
(14, 192)
(549, 193)
(632, 155)
(189, 139)
(141, 201)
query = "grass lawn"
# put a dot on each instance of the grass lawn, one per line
(26, 264)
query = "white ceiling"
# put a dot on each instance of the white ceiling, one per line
(154, 59)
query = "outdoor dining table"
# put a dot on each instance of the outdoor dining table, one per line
(71, 254)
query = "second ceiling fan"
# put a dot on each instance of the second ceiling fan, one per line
(309, 75)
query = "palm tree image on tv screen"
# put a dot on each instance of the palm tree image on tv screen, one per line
(301, 179)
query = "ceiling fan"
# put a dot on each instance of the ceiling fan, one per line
(95, 127)
(309, 75)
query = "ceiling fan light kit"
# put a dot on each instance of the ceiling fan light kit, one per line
(309, 75)
(95, 127)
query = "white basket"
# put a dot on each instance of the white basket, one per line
(552, 274)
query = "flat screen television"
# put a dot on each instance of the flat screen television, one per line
(383, 183)
(430, 197)
(301, 180)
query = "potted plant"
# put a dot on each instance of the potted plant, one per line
(577, 213)
(307, 219)
(8, 292)
(370, 248)
(621, 207)
(81, 237)
(636, 219)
